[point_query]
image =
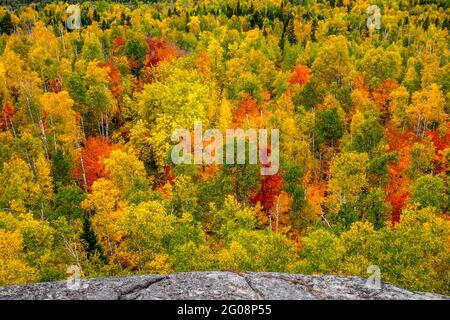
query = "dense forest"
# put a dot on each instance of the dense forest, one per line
(87, 114)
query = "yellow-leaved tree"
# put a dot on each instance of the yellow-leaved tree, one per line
(348, 178)
(62, 128)
(13, 267)
(427, 107)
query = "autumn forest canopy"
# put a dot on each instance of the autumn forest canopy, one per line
(87, 114)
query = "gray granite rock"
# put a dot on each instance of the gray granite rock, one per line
(214, 285)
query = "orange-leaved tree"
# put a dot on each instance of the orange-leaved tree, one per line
(300, 75)
(89, 166)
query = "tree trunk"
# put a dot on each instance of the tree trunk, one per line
(42, 210)
(107, 125)
(44, 138)
(83, 171)
(82, 128)
(12, 127)
(276, 217)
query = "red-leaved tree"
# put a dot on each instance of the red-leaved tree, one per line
(300, 75)
(89, 166)
(7, 115)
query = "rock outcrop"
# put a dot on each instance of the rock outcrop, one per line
(214, 285)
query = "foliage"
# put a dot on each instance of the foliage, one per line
(86, 119)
